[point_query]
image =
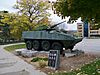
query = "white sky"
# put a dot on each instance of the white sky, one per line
(7, 5)
(56, 19)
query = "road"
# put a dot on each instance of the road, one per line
(89, 46)
(13, 65)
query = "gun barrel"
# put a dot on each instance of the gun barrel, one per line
(57, 24)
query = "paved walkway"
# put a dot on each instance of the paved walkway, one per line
(89, 46)
(13, 65)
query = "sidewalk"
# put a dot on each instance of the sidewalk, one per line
(91, 46)
(13, 65)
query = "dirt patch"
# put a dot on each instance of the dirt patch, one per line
(66, 63)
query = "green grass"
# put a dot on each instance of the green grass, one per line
(36, 59)
(88, 69)
(14, 47)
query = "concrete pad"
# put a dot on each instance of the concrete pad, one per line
(29, 53)
(74, 53)
(19, 51)
(69, 54)
(25, 52)
(43, 51)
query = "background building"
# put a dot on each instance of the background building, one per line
(80, 29)
(94, 33)
(91, 33)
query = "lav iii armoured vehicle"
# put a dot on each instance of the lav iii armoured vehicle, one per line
(49, 38)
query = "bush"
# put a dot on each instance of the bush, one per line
(35, 59)
(42, 64)
(39, 59)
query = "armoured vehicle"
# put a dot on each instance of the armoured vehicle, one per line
(49, 38)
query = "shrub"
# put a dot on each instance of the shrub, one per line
(42, 64)
(35, 59)
(39, 59)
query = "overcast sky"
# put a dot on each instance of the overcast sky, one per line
(7, 5)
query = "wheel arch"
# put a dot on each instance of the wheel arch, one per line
(28, 40)
(59, 42)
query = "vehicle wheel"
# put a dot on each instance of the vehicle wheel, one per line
(36, 45)
(29, 45)
(45, 45)
(57, 46)
(71, 48)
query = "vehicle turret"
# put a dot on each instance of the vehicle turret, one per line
(53, 26)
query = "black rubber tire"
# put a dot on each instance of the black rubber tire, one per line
(36, 45)
(57, 46)
(71, 48)
(45, 45)
(29, 45)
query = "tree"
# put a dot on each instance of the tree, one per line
(4, 26)
(79, 8)
(11, 24)
(32, 12)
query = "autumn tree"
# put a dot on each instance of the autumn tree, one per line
(13, 21)
(4, 27)
(32, 12)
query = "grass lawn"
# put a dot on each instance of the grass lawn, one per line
(14, 47)
(88, 69)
